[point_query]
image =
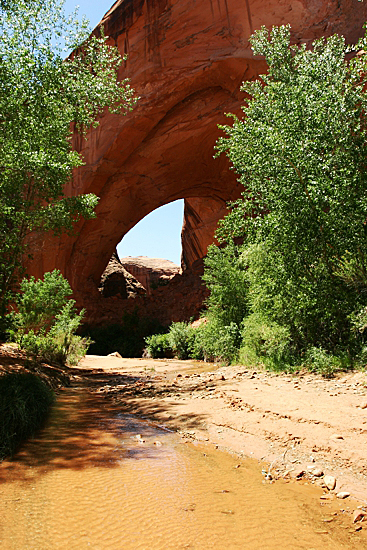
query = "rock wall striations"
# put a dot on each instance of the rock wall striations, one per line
(186, 60)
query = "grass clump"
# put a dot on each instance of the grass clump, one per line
(25, 401)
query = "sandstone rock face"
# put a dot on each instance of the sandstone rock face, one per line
(186, 61)
(201, 216)
(150, 272)
(117, 281)
(181, 299)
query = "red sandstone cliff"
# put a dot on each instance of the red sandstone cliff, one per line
(117, 281)
(186, 61)
(150, 272)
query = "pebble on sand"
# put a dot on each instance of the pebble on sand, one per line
(330, 482)
(317, 472)
(115, 354)
(343, 494)
(359, 515)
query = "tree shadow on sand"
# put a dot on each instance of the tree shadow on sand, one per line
(89, 427)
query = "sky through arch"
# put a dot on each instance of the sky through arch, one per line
(158, 235)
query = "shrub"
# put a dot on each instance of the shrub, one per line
(25, 401)
(181, 338)
(7, 326)
(46, 321)
(320, 361)
(216, 342)
(40, 300)
(225, 277)
(265, 338)
(158, 346)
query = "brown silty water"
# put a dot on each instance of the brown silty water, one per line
(99, 477)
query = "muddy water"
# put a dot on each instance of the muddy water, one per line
(100, 478)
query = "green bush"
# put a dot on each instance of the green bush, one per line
(265, 338)
(46, 321)
(40, 300)
(25, 401)
(181, 337)
(211, 341)
(225, 277)
(7, 326)
(320, 361)
(216, 342)
(158, 346)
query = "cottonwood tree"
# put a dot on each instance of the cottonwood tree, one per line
(300, 152)
(42, 99)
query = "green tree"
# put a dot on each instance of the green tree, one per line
(43, 99)
(225, 277)
(39, 301)
(300, 152)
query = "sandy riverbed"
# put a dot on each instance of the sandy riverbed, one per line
(295, 423)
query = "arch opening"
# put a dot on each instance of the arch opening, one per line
(157, 235)
(148, 256)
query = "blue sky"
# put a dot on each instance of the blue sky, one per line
(158, 235)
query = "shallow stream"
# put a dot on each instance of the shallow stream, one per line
(101, 478)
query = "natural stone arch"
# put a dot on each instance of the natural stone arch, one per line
(187, 60)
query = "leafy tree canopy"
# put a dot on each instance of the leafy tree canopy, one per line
(43, 98)
(300, 152)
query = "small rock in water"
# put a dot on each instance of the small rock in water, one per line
(343, 494)
(330, 482)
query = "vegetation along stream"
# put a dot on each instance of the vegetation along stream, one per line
(101, 477)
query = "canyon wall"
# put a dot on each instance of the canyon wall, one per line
(186, 60)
